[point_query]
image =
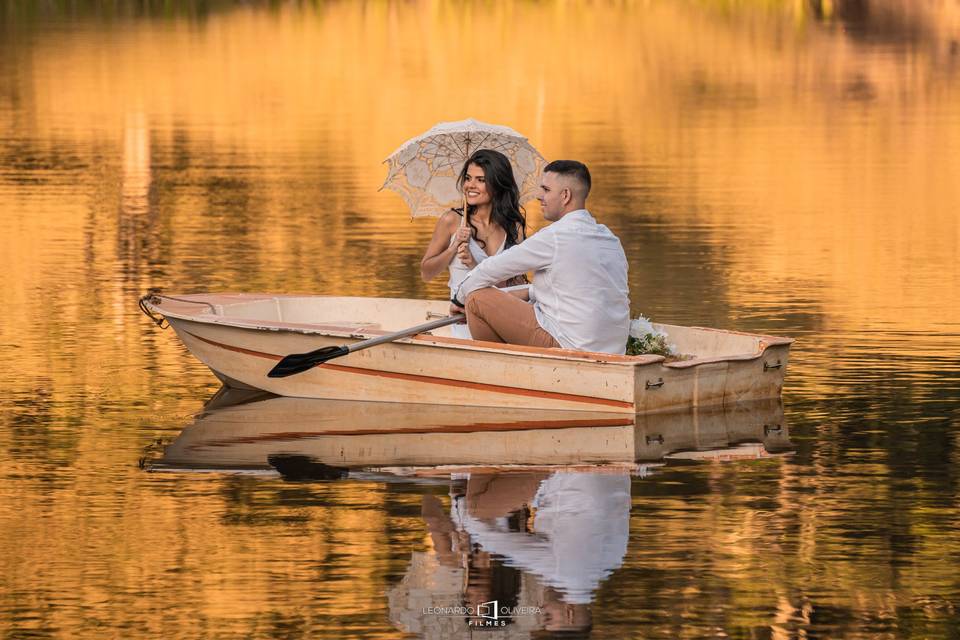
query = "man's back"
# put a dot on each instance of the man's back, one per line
(582, 297)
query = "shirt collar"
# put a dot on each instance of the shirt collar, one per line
(579, 214)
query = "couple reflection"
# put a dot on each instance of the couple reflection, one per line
(537, 510)
(537, 544)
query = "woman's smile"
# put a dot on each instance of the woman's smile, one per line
(475, 186)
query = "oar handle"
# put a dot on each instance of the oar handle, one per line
(406, 333)
(300, 362)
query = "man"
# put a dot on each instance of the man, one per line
(579, 292)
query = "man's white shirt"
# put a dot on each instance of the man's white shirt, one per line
(580, 532)
(579, 290)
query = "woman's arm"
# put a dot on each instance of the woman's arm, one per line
(439, 252)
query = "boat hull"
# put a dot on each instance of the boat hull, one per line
(434, 369)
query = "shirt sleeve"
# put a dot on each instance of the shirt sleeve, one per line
(534, 253)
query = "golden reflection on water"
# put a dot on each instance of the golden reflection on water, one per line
(808, 157)
(776, 167)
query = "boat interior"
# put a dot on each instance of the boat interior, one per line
(372, 316)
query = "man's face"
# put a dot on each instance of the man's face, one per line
(552, 192)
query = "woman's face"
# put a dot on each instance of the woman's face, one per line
(475, 186)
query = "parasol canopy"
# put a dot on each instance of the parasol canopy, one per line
(424, 170)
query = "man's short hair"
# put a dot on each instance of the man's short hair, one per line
(571, 169)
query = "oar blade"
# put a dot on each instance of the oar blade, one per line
(298, 467)
(300, 362)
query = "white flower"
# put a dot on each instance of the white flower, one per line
(642, 326)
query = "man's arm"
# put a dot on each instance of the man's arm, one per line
(536, 252)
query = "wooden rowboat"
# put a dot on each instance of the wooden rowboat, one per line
(242, 336)
(375, 435)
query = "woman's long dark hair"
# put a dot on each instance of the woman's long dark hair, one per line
(504, 195)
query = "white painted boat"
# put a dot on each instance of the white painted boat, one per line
(375, 435)
(242, 336)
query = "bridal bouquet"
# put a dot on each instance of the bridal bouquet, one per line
(645, 339)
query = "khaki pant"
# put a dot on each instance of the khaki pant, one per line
(496, 316)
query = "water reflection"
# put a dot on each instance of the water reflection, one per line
(771, 165)
(243, 429)
(538, 545)
(539, 503)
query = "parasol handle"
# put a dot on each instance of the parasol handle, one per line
(463, 193)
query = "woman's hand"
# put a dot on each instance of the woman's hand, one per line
(463, 234)
(463, 252)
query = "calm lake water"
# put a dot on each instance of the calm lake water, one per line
(784, 167)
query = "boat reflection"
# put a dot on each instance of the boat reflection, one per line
(537, 514)
(240, 430)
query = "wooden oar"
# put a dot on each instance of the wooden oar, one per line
(300, 362)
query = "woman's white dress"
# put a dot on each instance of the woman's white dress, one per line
(459, 271)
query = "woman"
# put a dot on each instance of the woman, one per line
(495, 221)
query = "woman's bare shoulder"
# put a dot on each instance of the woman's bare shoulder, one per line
(450, 219)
